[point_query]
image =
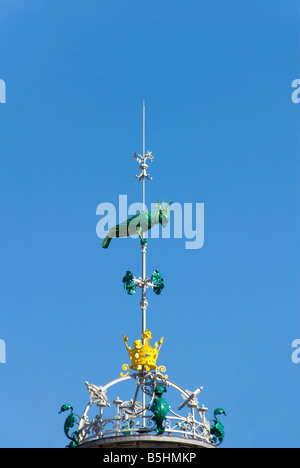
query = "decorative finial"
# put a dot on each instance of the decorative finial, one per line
(143, 165)
(142, 356)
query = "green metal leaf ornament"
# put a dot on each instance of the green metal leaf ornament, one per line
(158, 282)
(129, 284)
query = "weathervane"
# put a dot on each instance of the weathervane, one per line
(140, 224)
(132, 417)
(146, 220)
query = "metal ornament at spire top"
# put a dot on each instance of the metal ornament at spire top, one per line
(143, 165)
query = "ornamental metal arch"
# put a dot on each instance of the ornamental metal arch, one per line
(132, 417)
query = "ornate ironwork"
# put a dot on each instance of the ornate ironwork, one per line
(158, 282)
(103, 417)
(69, 423)
(218, 429)
(160, 409)
(143, 165)
(129, 283)
(134, 417)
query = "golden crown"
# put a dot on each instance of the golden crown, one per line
(142, 356)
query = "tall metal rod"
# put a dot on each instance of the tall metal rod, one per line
(144, 302)
(144, 152)
(144, 283)
(144, 288)
(144, 246)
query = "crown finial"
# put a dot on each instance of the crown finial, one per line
(142, 356)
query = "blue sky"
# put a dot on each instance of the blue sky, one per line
(216, 77)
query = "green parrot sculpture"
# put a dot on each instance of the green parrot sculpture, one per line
(139, 224)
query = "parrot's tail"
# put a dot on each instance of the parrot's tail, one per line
(106, 242)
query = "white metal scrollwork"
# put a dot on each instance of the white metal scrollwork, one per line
(133, 417)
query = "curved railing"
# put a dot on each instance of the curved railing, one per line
(133, 417)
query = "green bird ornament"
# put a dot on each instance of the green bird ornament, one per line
(140, 223)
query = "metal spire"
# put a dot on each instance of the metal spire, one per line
(143, 176)
(144, 302)
(149, 376)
